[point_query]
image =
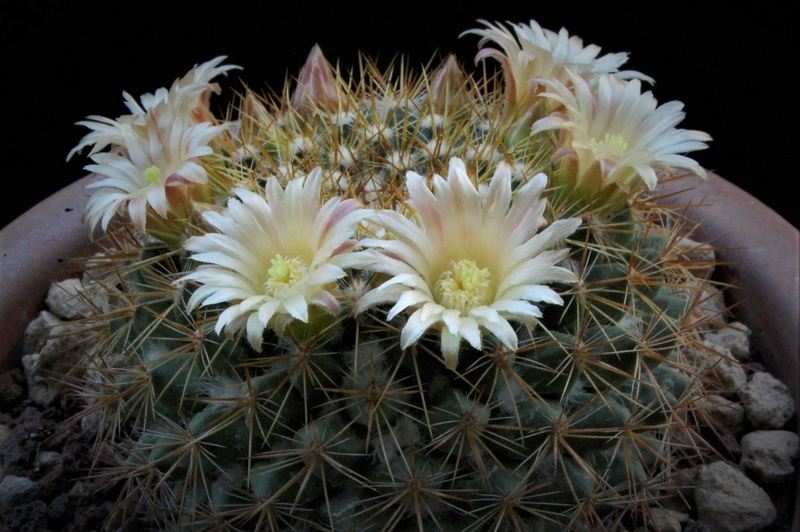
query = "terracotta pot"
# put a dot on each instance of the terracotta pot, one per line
(35, 250)
(759, 250)
(759, 253)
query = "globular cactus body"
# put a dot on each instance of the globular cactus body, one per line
(357, 409)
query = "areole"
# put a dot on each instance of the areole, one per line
(757, 249)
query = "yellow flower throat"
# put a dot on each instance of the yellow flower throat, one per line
(464, 286)
(152, 174)
(284, 273)
(610, 147)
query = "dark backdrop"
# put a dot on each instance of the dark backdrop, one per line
(65, 60)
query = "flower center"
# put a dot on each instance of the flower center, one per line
(611, 147)
(464, 286)
(284, 273)
(152, 173)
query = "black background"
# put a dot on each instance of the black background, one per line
(731, 68)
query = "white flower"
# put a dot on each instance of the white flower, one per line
(620, 132)
(187, 97)
(190, 93)
(473, 263)
(157, 156)
(274, 256)
(155, 151)
(531, 52)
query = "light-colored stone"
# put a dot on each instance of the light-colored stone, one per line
(38, 331)
(60, 355)
(40, 391)
(727, 373)
(728, 501)
(710, 308)
(47, 459)
(735, 338)
(768, 454)
(16, 490)
(66, 340)
(767, 401)
(676, 492)
(663, 520)
(70, 299)
(701, 256)
(723, 414)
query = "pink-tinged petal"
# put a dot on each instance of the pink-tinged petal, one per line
(316, 83)
(339, 209)
(399, 257)
(327, 301)
(343, 249)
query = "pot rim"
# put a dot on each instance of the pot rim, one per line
(36, 249)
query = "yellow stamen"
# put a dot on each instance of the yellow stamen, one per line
(612, 146)
(464, 286)
(284, 273)
(152, 174)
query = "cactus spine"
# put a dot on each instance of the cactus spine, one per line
(332, 418)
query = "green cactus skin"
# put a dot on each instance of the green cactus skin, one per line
(332, 425)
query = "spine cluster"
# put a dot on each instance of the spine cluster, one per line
(395, 302)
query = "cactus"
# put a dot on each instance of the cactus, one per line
(395, 301)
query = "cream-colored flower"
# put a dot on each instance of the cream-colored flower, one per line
(473, 263)
(274, 255)
(531, 53)
(157, 156)
(187, 98)
(155, 151)
(618, 134)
